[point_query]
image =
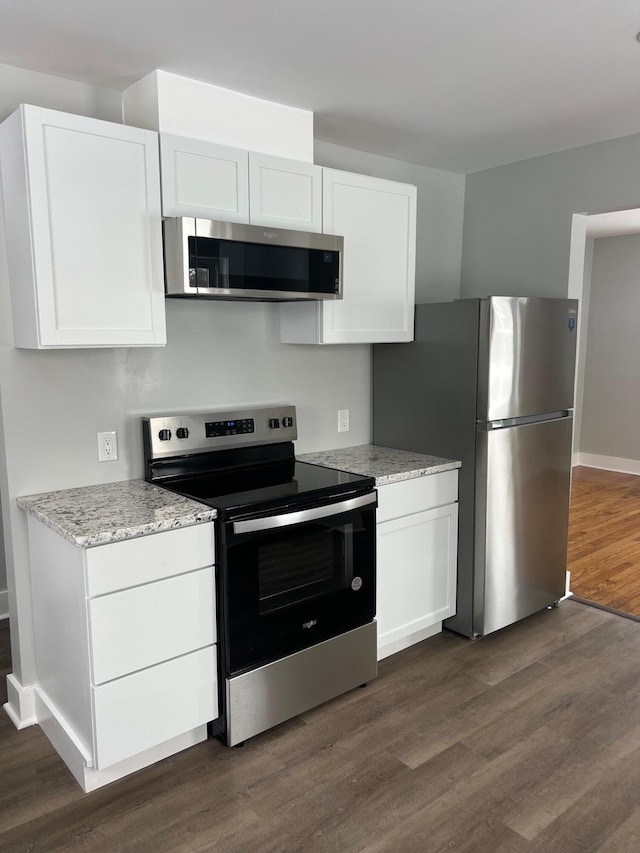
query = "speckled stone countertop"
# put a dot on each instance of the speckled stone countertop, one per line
(384, 463)
(95, 515)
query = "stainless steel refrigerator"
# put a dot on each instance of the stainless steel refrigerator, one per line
(490, 382)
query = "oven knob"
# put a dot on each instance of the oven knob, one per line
(182, 432)
(164, 434)
(287, 422)
(274, 423)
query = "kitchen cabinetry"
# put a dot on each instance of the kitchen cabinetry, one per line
(212, 181)
(377, 219)
(125, 647)
(417, 559)
(284, 193)
(83, 226)
(203, 179)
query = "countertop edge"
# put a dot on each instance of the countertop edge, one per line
(414, 474)
(121, 534)
(119, 530)
(367, 459)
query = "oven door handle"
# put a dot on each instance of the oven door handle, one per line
(274, 521)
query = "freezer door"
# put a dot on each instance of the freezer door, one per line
(522, 515)
(527, 351)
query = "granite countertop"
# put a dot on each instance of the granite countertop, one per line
(384, 463)
(109, 512)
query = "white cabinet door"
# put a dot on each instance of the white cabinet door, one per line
(416, 580)
(204, 180)
(284, 193)
(377, 219)
(83, 223)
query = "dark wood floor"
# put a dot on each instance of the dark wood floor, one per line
(604, 538)
(527, 741)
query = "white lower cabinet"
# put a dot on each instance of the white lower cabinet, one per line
(125, 647)
(417, 535)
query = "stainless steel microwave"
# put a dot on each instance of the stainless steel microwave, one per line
(225, 260)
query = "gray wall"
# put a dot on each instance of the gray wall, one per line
(53, 403)
(439, 221)
(517, 222)
(611, 402)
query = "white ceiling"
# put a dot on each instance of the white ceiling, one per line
(461, 85)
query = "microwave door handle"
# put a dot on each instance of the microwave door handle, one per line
(274, 521)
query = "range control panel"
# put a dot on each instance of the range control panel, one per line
(196, 432)
(216, 429)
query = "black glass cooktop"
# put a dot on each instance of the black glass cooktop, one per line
(280, 484)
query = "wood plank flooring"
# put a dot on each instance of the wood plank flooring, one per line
(526, 741)
(604, 538)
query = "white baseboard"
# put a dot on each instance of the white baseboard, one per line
(79, 759)
(386, 648)
(4, 604)
(62, 737)
(20, 706)
(607, 463)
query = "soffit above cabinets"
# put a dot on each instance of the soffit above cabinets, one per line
(177, 105)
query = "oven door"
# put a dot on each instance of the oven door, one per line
(293, 579)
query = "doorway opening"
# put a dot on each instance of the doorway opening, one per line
(604, 527)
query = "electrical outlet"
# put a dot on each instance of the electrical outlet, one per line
(343, 420)
(107, 446)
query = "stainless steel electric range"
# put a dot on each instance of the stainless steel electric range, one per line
(295, 561)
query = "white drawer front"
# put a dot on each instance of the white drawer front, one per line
(143, 626)
(408, 496)
(147, 708)
(130, 562)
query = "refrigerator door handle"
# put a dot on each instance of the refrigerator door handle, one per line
(483, 426)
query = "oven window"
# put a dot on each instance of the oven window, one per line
(312, 560)
(289, 587)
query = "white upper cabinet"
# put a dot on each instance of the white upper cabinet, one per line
(203, 179)
(377, 219)
(212, 181)
(284, 193)
(83, 225)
